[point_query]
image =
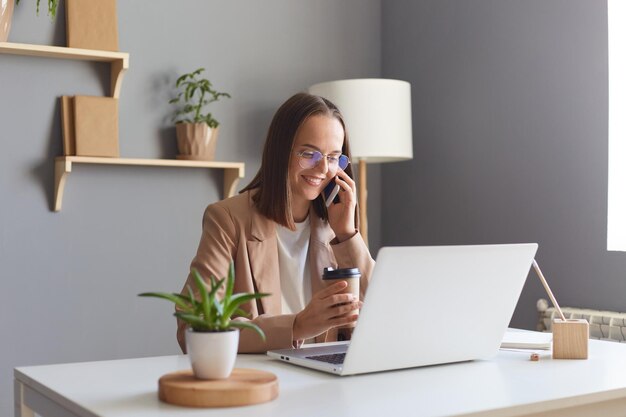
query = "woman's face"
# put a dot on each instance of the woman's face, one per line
(320, 133)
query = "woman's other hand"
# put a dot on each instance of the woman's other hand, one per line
(326, 310)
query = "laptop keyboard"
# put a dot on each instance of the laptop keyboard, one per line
(335, 358)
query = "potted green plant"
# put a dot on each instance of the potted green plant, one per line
(6, 15)
(213, 337)
(196, 129)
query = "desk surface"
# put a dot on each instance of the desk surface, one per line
(508, 385)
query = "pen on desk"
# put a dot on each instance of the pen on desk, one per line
(548, 290)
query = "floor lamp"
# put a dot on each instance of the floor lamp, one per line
(377, 114)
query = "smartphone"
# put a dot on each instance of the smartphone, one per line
(330, 193)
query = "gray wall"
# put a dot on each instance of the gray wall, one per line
(510, 144)
(68, 280)
(510, 137)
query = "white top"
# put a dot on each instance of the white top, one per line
(295, 276)
(508, 385)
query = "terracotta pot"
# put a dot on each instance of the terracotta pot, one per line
(212, 354)
(196, 141)
(6, 14)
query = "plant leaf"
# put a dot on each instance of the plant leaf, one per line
(180, 300)
(215, 286)
(248, 325)
(204, 296)
(219, 309)
(230, 282)
(196, 322)
(192, 297)
(239, 299)
(181, 79)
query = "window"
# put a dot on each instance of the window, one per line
(616, 216)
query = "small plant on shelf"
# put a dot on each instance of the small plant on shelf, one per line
(196, 129)
(195, 95)
(52, 7)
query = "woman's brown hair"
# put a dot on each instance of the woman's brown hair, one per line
(273, 195)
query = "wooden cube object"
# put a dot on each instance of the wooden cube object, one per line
(570, 339)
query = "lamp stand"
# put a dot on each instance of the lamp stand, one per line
(362, 199)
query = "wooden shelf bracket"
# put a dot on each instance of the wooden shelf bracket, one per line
(61, 170)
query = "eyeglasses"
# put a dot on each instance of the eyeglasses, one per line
(311, 159)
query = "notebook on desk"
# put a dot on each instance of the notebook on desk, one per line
(427, 305)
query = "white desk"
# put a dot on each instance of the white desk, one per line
(509, 385)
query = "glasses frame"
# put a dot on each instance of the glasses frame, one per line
(302, 161)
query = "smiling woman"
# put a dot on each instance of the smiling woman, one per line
(616, 222)
(282, 235)
(318, 148)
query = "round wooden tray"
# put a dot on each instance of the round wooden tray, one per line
(243, 387)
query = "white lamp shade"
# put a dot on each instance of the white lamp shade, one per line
(377, 113)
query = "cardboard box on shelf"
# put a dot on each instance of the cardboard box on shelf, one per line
(92, 24)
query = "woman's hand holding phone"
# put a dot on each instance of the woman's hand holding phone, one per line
(341, 214)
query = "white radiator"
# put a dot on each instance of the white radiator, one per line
(605, 325)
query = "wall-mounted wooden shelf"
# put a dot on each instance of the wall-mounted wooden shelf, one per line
(119, 60)
(233, 171)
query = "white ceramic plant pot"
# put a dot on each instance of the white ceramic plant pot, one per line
(212, 354)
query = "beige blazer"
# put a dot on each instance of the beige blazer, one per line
(234, 229)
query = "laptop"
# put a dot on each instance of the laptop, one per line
(427, 305)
